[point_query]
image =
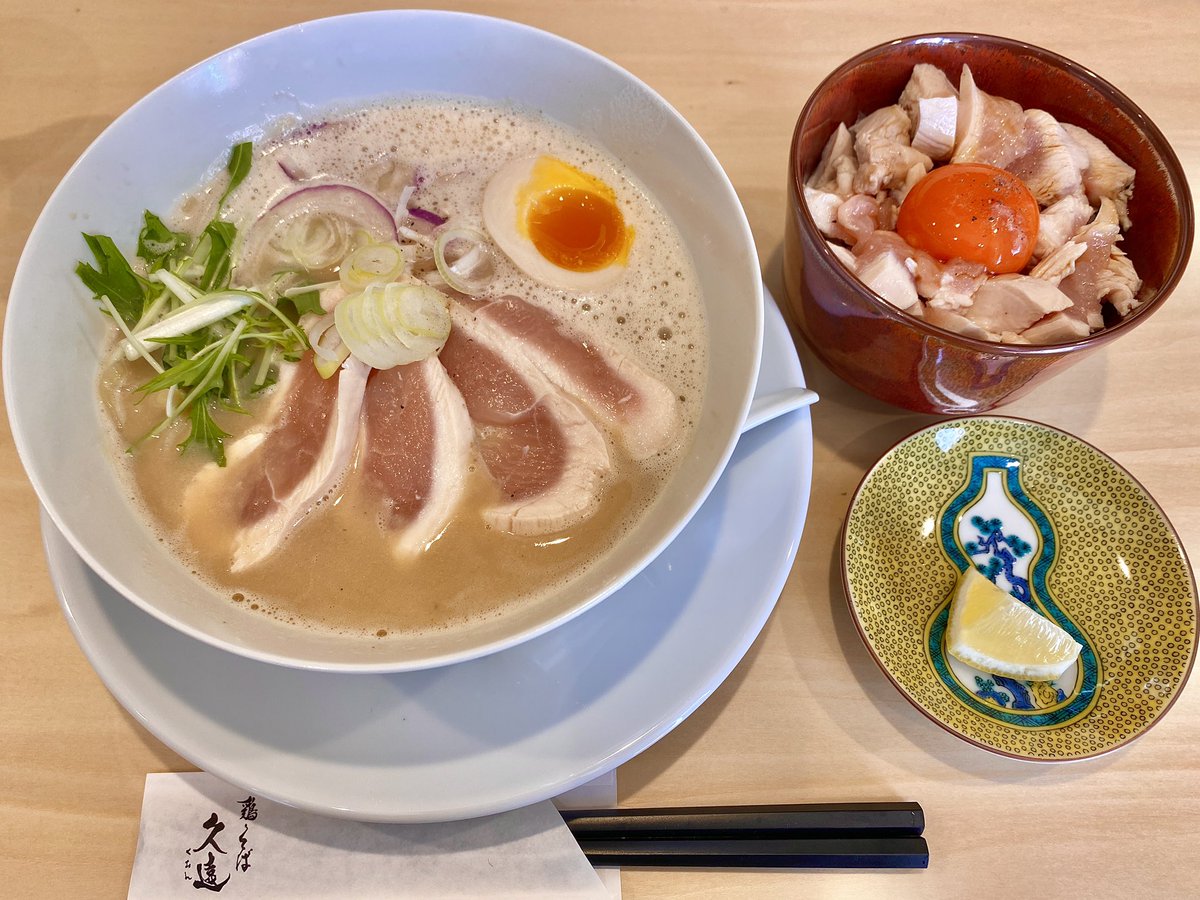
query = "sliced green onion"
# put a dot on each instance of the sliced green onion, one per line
(329, 350)
(373, 263)
(395, 324)
(192, 317)
(131, 341)
(177, 286)
(415, 236)
(463, 260)
(221, 351)
(300, 289)
(263, 369)
(319, 241)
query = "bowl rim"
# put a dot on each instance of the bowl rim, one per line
(698, 493)
(1170, 163)
(844, 568)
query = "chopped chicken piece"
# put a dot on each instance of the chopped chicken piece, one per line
(1056, 328)
(935, 124)
(914, 174)
(1014, 302)
(932, 105)
(888, 276)
(949, 285)
(889, 209)
(1058, 222)
(1083, 284)
(952, 321)
(858, 218)
(957, 284)
(881, 145)
(888, 124)
(989, 129)
(1119, 283)
(887, 166)
(1059, 264)
(928, 274)
(925, 81)
(866, 172)
(1106, 175)
(844, 256)
(885, 242)
(835, 171)
(1047, 166)
(823, 207)
(1011, 337)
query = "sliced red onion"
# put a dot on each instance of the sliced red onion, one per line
(309, 129)
(431, 217)
(287, 170)
(343, 200)
(262, 253)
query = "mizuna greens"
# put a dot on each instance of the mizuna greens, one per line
(211, 346)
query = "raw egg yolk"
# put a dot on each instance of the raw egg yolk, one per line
(572, 218)
(974, 212)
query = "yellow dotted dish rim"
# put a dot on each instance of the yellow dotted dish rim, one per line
(1058, 482)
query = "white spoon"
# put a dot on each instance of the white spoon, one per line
(775, 404)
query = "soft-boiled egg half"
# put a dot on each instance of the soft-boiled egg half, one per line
(558, 224)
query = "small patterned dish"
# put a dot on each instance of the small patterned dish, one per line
(1063, 528)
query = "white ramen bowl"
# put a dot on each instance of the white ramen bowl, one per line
(165, 144)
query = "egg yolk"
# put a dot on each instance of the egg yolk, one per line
(974, 212)
(572, 218)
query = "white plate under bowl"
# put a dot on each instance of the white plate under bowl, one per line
(160, 148)
(494, 733)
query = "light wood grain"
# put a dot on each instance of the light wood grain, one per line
(807, 715)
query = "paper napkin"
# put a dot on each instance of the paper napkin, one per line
(201, 836)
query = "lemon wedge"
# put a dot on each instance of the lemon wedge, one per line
(996, 632)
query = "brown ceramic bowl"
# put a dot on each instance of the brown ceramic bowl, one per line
(901, 359)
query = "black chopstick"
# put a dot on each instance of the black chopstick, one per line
(791, 820)
(761, 853)
(807, 835)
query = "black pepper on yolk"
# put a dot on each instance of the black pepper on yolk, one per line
(572, 218)
(974, 212)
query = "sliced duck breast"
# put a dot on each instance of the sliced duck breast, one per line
(285, 469)
(416, 448)
(640, 409)
(545, 455)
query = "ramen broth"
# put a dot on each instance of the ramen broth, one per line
(337, 570)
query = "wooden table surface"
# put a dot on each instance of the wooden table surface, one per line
(806, 716)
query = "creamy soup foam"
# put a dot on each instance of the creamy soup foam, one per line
(337, 571)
